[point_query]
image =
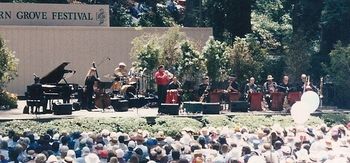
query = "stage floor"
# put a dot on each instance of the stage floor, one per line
(17, 114)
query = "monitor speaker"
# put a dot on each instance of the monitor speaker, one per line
(120, 105)
(62, 109)
(170, 109)
(211, 108)
(239, 106)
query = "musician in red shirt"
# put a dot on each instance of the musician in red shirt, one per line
(162, 81)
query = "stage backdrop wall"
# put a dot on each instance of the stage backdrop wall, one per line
(41, 49)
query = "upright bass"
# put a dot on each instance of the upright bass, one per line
(102, 99)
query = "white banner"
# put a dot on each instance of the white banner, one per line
(54, 14)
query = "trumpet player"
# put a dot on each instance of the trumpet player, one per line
(162, 80)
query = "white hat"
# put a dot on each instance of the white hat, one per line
(302, 155)
(169, 140)
(92, 158)
(131, 144)
(56, 136)
(120, 153)
(52, 159)
(71, 153)
(122, 64)
(40, 158)
(85, 151)
(255, 159)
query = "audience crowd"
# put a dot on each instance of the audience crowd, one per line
(209, 145)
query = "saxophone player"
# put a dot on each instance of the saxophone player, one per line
(233, 84)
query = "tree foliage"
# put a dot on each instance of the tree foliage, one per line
(119, 14)
(216, 60)
(191, 64)
(246, 58)
(298, 57)
(334, 26)
(339, 68)
(8, 62)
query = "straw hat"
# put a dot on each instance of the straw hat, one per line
(120, 153)
(122, 64)
(269, 77)
(92, 158)
(52, 159)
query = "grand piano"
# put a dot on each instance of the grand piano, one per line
(52, 87)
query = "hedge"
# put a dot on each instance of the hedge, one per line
(171, 126)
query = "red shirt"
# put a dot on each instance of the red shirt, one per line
(161, 78)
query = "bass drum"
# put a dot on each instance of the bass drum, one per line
(102, 101)
(128, 91)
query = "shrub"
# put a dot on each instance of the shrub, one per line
(331, 119)
(172, 126)
(7, 100)
(216, 121)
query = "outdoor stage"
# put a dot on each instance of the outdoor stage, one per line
(17, 114)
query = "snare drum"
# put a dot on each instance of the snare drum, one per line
(172, 96)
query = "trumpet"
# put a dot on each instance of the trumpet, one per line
(169, 74)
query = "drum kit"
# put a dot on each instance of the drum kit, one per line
(126, 86)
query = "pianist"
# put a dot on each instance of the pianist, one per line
(90, 81)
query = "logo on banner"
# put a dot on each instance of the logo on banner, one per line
(101, 16)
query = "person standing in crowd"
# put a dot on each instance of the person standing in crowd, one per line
(285, 85)
(269, 87)
(91, 82)
(162, 80)
(249, 88)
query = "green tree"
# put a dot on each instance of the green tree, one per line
(216, 60)
(119, 15)
(8, 71)
(298, 57)
(8, 62)
(339, 68)
(192, 63)
(246, 58)
(334, 27)
(170, 53)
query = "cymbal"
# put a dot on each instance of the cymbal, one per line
(108, 76)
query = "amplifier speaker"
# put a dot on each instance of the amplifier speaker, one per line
(170, 109)
(120, 105)
(136, 102)
(62, 109)
(211, 108)
(239, 106)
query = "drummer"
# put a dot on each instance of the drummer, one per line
(121, 70)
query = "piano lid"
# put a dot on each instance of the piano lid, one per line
(56, 75)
